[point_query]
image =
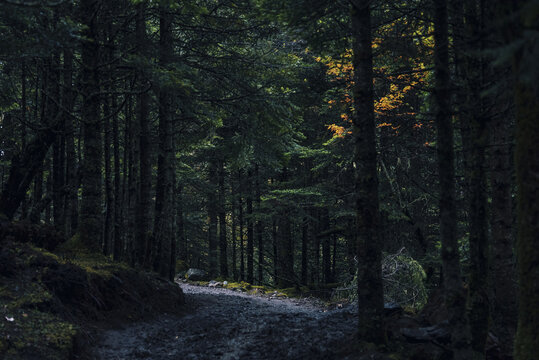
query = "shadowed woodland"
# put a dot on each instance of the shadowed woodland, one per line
(364, 173)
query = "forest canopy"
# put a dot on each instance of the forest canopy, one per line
(385, 145)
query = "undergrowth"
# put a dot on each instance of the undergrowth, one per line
(51, 301)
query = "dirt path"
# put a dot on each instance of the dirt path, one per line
(223, 324)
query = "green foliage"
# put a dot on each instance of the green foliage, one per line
(404, 282)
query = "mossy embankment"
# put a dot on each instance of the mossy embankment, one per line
(54, 301)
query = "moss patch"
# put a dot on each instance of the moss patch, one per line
(49, 300)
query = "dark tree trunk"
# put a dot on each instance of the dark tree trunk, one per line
(182, 241)
(223, 257)
(250, 232)
(37, 194)
(527, 170)
(315, 239)
(24, 116)
(504, 304)
(326, 247)
(304, 250)
(454, 294)
(370, 289)
(58, 148)
(90, 227)
(275, 241)
(132, 184)
(108, 228)
(334, 258)
(117, 219)
(144, 213)
(476, 118)
(285, 261)
(72, 185)
(285, 250)
(234, 249)
(240, 219)
(259, 229)
(164, 218)
(212, 215)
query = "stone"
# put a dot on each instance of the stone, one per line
(196, 275)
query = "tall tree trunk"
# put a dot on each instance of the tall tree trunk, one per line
(504, 304)
(145, 172)
(47, 201)
(259, 228)
(123, 205)
(326, 247)
(240, 219)
(315, 239)
(24, 117)
(476, 116)
(117, 244)
(370, 289)
(68, 98)
(527, 170)
(304, 250)
(132, 184)
(454, 293)
(90, 227)
(334, 257)
(250, 232)
(223, 257)
(108, 228)
(212, 215)
(285, 250)
(182, 241)
(58, 147)
(234, 248)
(275, 241)
(164, 218)
(37, 194)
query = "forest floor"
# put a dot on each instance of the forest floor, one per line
(225, 324)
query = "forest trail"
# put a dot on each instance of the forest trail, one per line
(223, 324)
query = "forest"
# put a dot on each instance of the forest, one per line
(373, 160)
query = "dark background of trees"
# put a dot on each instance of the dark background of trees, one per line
(215, 133)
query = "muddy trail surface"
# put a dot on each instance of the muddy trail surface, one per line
(224, 324)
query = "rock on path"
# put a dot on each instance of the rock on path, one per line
(223, 324)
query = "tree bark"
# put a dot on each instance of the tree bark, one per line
(144, 213)
(68, 98)
(326, 247)
(90, 227)
(58, 147)
(212, 215)
(240, 219)
(164, 218)
(250, 230)
(527, 170)
(370, 289)
(234, 248)
(304, 250)
(223, 257)
(504, 304)
(259, 229)
(285, 250)
(454, 293)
